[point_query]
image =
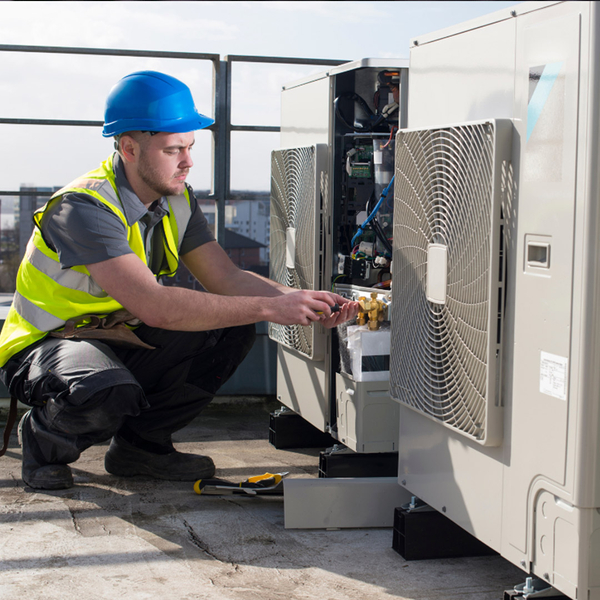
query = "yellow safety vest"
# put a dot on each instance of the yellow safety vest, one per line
(48, 295)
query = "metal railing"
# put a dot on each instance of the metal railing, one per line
(221, 130)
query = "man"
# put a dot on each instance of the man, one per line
(98, 248)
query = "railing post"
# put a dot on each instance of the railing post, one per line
(221, 144)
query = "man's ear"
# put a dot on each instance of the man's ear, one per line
(129, 149)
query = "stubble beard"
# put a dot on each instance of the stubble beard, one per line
(150, 176)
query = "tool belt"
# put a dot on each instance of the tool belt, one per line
(111, 329)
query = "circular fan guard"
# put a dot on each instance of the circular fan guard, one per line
(441, 351)
(293, 206)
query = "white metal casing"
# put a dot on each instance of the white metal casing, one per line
(305, 385)
(535, 497)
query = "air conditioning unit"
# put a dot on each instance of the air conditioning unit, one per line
(495, 329)
(337, 157)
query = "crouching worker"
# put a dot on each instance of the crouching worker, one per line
(93, 343)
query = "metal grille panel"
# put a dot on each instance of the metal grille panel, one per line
(295, 234)
(447, 279)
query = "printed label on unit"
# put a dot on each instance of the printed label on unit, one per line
(553, 375)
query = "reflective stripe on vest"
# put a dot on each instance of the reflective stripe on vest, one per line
(36, 315)
(69, 278)
(47, 295)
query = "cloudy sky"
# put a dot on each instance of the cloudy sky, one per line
(56, 86)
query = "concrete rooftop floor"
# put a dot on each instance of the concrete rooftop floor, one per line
(111, 537)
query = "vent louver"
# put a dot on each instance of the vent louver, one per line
(296, 179)
(447, 284)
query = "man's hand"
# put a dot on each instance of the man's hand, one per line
(303, 307)
(347, 311)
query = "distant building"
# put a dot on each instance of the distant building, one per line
(244, 252)
(24, 210)
(250, 218)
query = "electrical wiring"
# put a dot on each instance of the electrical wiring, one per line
(372, 215)
(379, 233)
(394, 128)
(374, 119)
(336, 280)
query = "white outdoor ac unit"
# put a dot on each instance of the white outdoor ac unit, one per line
(496, 370)
(331, 166)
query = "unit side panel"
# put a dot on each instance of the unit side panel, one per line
(305, 114)
(453, 474)
(471, 79)
(547, 84)
(301, 386)
(586, 349)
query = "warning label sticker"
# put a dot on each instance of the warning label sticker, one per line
(553, 375)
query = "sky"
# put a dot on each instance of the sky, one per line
(57, 86)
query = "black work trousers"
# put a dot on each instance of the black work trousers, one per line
(83, 392)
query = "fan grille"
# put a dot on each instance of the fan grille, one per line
(295, 203)
(442, 349)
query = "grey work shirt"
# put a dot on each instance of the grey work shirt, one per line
(82, 230)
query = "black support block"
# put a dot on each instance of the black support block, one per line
(424, 534)
(290, 430)
(353, 464)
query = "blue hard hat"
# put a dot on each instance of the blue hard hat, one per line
(151, 101)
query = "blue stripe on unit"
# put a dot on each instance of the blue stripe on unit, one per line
(541, 93)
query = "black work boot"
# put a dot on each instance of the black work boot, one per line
(35, 472)
(126, 460)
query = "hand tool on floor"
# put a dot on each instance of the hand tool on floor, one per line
(269, 483)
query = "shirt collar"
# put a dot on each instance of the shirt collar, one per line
(133, 207)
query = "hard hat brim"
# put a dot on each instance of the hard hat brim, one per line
(198, 121)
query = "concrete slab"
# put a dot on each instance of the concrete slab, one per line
(111, 537)
(342, 503)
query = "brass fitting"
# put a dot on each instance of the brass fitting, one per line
(373, 309)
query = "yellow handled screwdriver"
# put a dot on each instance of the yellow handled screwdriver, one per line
(335, 308)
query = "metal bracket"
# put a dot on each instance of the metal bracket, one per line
(534, 588)
(282, 411)
(417, 505)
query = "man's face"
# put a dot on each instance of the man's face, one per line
(165, 161)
